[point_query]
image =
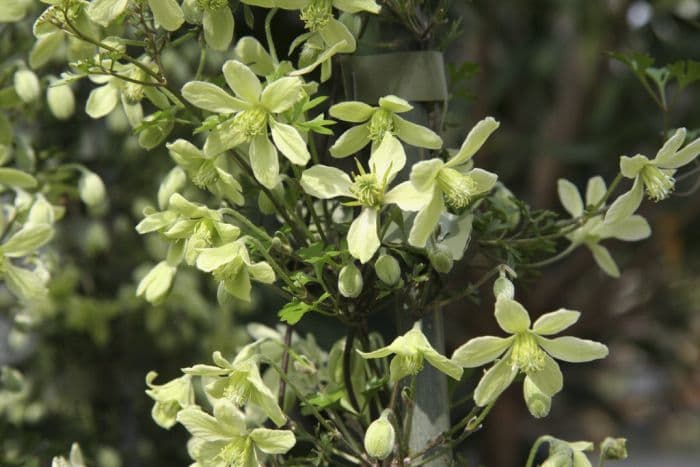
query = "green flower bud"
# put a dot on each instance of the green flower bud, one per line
(91, 189)
(61, 101)
(350, 281)
(441, 259)
(27, 85)
(614, 448)
(380, 438)
(538, 403)
(503, 288)
(388, 269)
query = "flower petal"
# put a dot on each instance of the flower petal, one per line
(549, 379)
(356, 6)
(289, 142)
(388, 158)
(570, 197)
(222, 138)
(167, 13)
(423, 173)
(425, 222)
(211, 97)
(103, 12)
(101, 101)
(416, 135)
(494, 382)
(572, 349)
(218, 27)
(443, 364)
(512, 317)
(475, 139)
(282, 94)
(480, 350)
(202, 425)
(251, 52)
(335, 32)
(595, 190)
(363, 240)
(351, 111)
(602, 257)
(213, 258)
(350, 142)
(407, 197)
(631, 166)
(242, 81)
(684, 156)
(264, 162)
(484, 180)
(631, 229)
(538, 403)
(626, 204)
(556, 321)
(394, 104)
(273, 441)
(670, 147)
(322, 181)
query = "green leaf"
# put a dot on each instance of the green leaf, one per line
(293, 311)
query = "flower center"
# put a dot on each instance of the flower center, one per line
(382, 121)
(238, 388)
(237, 452)
(211, 4)
(458, 188)
(317, 14)
(133, 92)
(527, 354)
(251, 122)
(368, 190)
(658, 183)
(413, 362)
(206, 175)
(228, 271)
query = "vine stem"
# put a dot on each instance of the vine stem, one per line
(535, 448)
(248, 224)
(285, 364)
(347, 369)
(268, 34)
(564, 253)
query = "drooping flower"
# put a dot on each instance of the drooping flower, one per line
(435, 183)
(23, 282)
(233, 268)
(594, 230)
(249, 116)
(410, 350)
(208, 173)
(567, 453)
(526, 351)
(216, 19)
(375, 122)
(169, 398)
(225, 440)
(367, 188)
(655, 175)
(240, 382)
(167, 13)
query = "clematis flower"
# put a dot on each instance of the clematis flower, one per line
(434, 183)
(590, 234)
(233, 268)
(208, 173)
(240, 382)
(375, 123)
(367, 188)
(224, 439)
(655, 175)
(252, 112)
(409, 352)
(191, 223)
(571, 453)
(167, 13)
(526, 351)
(24, 283)
(169, 398)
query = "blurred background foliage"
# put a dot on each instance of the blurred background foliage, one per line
(567, 109)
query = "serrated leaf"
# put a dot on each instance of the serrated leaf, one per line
(293, 311)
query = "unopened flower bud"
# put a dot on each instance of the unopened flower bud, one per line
(26, 85)
(61, 101)
(614, 448)
(503, 288)
(388, 269)
(380, 438)
(441, 259)
(91, 189)
(350, 281)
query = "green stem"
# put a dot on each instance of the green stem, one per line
(552, 259)
(257, 231)
(535, 448)
(268, 34)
